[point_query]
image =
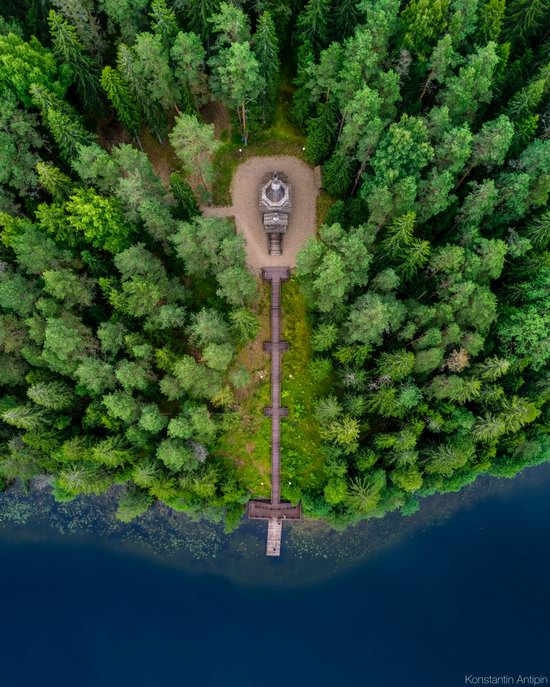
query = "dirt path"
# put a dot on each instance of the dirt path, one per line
(244, 192)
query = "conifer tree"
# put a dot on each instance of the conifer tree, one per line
(53, 395)
(145, 69)
(70, 51)
(198, 14)
(238, 82)
(423, 22)
(68, 133)
(490, 17)
(266, 49)
(123, 102)
(525, 19)
(338, 173)
(186, 203)
(79, 14)
(346, 15)
(321, 133)
(59, 185)
(188, 58)
(163, 22)
(195, 144)
(472, 87)
(313, 23)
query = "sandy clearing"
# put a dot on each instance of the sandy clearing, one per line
(244, 193)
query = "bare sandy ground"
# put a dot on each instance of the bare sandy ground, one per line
(244, 193)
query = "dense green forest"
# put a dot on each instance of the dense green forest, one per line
(124, 311)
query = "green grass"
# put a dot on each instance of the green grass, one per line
(324, 201)
(301, 456)
(281, 137)
(247, 443)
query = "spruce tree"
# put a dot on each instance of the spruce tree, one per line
(338, 173)
(68, 132)
(314, 22)
(123, 102)
(163, 22)
(70, 51)
(266, 49)
(186, 203)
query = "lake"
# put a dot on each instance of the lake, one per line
(458, 589)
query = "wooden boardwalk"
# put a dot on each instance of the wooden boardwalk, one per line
(274, 510)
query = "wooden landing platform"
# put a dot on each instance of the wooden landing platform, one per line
(274, 534)
(265, 510)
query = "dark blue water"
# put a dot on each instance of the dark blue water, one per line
(468, 597)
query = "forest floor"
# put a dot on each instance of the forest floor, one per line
(244, 193)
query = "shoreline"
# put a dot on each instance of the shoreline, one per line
(201, 547)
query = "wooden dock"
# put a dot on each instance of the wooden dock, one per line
(274, 536)
(275, 511)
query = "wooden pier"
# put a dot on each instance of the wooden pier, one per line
(275, 511)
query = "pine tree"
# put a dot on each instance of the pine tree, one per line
(465, 93)
(442, 60)
(238, 82)
(423, 21)
(195, 144)
(231, 24)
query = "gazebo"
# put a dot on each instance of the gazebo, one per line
(275, 208)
